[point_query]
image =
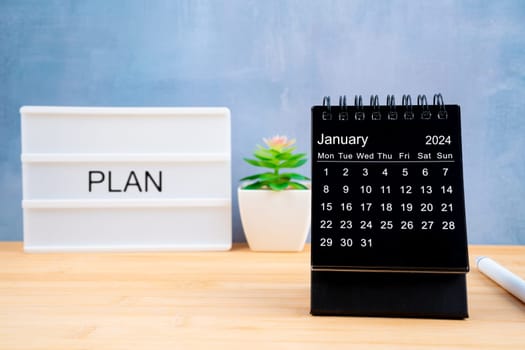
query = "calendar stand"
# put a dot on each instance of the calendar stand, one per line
(388, 213)
(389, 294)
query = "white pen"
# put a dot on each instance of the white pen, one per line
(508, 280)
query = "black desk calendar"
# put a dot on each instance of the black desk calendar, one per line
(388, 213)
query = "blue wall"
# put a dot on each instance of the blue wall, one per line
(269, 61)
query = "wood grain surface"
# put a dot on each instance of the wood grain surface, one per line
(222, 300)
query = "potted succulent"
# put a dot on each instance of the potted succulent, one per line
(275, 204)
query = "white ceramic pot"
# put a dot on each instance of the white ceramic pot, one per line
(275, 221)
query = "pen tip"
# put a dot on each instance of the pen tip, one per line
(479, 258)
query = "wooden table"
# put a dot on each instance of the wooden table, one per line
(222, 300)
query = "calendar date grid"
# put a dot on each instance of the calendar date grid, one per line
(360, 200)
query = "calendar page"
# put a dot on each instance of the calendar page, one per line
(387, 188)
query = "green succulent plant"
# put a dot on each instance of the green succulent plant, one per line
(277, 155)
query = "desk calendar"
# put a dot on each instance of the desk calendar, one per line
(388, 214)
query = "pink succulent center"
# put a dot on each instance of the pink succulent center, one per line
(279, 142)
